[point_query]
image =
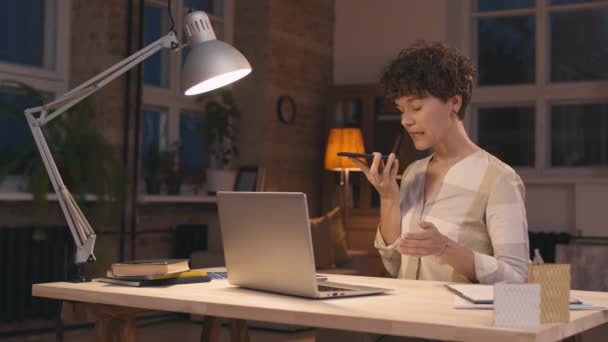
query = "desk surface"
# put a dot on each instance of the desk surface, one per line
(415, 308)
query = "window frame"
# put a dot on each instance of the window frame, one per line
(542, 93)
(58, 22)
(171, 97)
(53, 81)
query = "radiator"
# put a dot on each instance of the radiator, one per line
(30, 255)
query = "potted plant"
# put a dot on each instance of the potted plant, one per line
(218, 131)
(83, 156)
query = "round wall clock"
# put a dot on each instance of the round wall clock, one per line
(286, 109)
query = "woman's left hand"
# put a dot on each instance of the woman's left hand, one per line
(427, 242)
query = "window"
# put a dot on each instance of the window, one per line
(541, 98)
(162, 85)
(34, 51)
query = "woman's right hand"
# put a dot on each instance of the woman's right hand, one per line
(382, 176)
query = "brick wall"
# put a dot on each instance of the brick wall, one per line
(290, 46)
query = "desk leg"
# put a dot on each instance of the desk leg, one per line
(238, 330)
(211, 329)
(212, 326)
(114, 321)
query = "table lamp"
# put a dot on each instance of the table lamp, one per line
(343, 139)
(210, 64)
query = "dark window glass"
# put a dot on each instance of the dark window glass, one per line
(16, 139)
(193, 151)
(154, 140)
(506, 50)
(156, 67)
(22, 27)
(508, 133)
(579, 135)
(579, 45)
(214, 7)
(498, 5)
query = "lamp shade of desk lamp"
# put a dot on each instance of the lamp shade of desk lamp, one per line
(211, 64)
(343, 139)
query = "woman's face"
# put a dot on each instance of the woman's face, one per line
(427, 119)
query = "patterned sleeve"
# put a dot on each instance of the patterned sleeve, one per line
(391, 258)
(508, 230)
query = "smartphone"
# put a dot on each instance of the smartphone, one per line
(368, 156)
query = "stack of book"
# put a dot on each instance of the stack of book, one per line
(153, 272)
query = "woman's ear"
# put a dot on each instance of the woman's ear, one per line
(456, 102)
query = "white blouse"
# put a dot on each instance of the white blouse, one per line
(479, 205)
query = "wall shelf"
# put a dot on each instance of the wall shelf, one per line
(144, 199)
(26, 196)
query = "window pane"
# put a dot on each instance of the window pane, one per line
(213, 7)
(579, 45)
(508, 133)
(156, 67)
(15, 137)
(506, 50)
(579, 135)
(498, 5)
(22, 24)
(193, 150)
(154, 140)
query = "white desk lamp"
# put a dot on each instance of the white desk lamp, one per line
(210, 64)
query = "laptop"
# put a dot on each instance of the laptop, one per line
(268, 247)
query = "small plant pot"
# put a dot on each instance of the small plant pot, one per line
(220, 180)
(153, 186)
(173, 187)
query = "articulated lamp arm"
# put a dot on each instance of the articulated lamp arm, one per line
(81, 230)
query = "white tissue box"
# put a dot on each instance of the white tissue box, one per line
(516, 305)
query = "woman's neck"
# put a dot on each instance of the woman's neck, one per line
(455, 145)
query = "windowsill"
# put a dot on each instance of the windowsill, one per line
(145, 199)
(26, 196)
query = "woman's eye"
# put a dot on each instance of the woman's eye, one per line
(416, 108)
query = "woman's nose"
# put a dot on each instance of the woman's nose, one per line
(406, 119)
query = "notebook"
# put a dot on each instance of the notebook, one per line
(480, 293)
(155, 282)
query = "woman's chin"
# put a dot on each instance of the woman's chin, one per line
(420, 146)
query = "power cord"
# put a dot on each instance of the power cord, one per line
(171, 18)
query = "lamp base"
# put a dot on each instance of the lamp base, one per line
(77, 274)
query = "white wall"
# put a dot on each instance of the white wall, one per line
(369, 33)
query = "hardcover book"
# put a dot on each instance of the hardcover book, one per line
(149, 267)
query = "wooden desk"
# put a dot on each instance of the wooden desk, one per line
(415, 308)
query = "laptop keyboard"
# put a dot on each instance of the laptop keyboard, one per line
(330, 288)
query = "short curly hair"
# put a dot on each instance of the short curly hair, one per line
(429, 69)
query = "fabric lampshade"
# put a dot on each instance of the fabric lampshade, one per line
(343, 139)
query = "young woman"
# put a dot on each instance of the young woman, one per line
(459, 214)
